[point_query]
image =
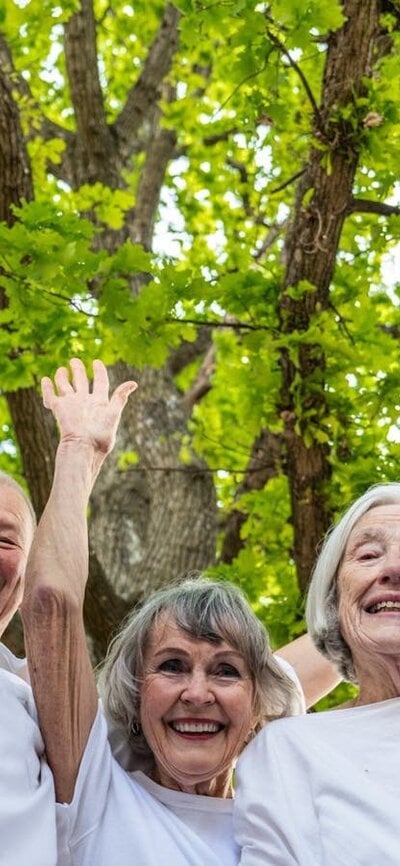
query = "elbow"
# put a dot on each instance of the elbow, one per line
(44, 604)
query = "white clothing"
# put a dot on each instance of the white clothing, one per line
(209, 817)
(300, 707)
(114, 821)
(322, 790)
(27, 800)
(115, 815)
(10, 662)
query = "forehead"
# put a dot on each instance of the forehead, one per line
(379, 521)
(166, 633)
(14, 511)
(381, 516)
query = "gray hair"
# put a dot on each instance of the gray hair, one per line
(323, 599)
(207, 610)
(7, 480)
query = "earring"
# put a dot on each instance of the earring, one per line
(136, 728)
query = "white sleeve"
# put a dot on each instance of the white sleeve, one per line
(290, 671)
(273, 813)
(10, 662)
(27, 802)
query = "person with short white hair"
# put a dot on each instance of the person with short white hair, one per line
(27, 803)
(187, 683)
(324, 789)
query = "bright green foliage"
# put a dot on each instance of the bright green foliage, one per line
(243, 122)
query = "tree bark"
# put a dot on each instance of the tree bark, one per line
(310, 254)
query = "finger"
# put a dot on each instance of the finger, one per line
(121, 394)
(62, 381)
(79, 377)
(101, 382)
(48, 394)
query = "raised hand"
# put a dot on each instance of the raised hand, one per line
(86, 416)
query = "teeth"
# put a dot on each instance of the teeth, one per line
(384, 605)
(196, 727)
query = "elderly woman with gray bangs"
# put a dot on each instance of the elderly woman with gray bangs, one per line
(186, 685)
(325, 789)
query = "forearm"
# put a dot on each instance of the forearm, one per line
(57, 570)
(59, 553)
(316, 674)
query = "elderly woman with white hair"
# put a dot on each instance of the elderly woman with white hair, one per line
(324, 789)
(187, 683)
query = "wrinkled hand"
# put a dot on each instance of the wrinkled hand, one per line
(88, 417)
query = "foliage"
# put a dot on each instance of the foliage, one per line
(244, 125)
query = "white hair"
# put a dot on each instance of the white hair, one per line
(322, 601)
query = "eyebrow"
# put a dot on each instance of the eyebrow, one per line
(181, 651)
(368, 535)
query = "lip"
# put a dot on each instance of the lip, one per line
(193, 728)
(381, 598)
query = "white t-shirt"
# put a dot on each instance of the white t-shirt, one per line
(114, 821)
(209, 817)
(116, 816)
(27, 801)
(322, 790)
(10, 662)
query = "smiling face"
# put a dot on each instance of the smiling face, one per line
(196, 709)
(369, 587)
(16, 533)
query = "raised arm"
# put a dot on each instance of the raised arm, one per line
(316, 674)
(52, 611)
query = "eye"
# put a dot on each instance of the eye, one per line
(227, 670)
(366, 555)
(171, 666)
(7, 542)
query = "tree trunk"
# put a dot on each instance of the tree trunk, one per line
(311, 250)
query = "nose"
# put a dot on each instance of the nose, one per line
(391, 569)
(197, 689)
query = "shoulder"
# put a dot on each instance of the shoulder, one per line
(10, 662)
(281, 736)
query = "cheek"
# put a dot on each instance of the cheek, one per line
(155, 698)
(12, 566)
(243, 710)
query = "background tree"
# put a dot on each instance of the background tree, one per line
(205, 196)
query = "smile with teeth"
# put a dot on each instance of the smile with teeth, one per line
(196, 727)
(384, 605)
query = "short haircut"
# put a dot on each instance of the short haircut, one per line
(207, 610)
(323, 599)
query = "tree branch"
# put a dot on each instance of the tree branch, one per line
(95, 138)
(159, 153)
(281, 48)
(263, 465)
(202, 384)
(187, 352)
(144, 94)
(269, 240)
(288, 181)
(363, 205)
(15, 174)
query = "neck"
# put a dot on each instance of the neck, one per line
(219, 786)
(378, 681)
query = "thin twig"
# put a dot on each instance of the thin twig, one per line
(288, 182)
(278, 44)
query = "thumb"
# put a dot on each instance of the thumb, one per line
(122, 392)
